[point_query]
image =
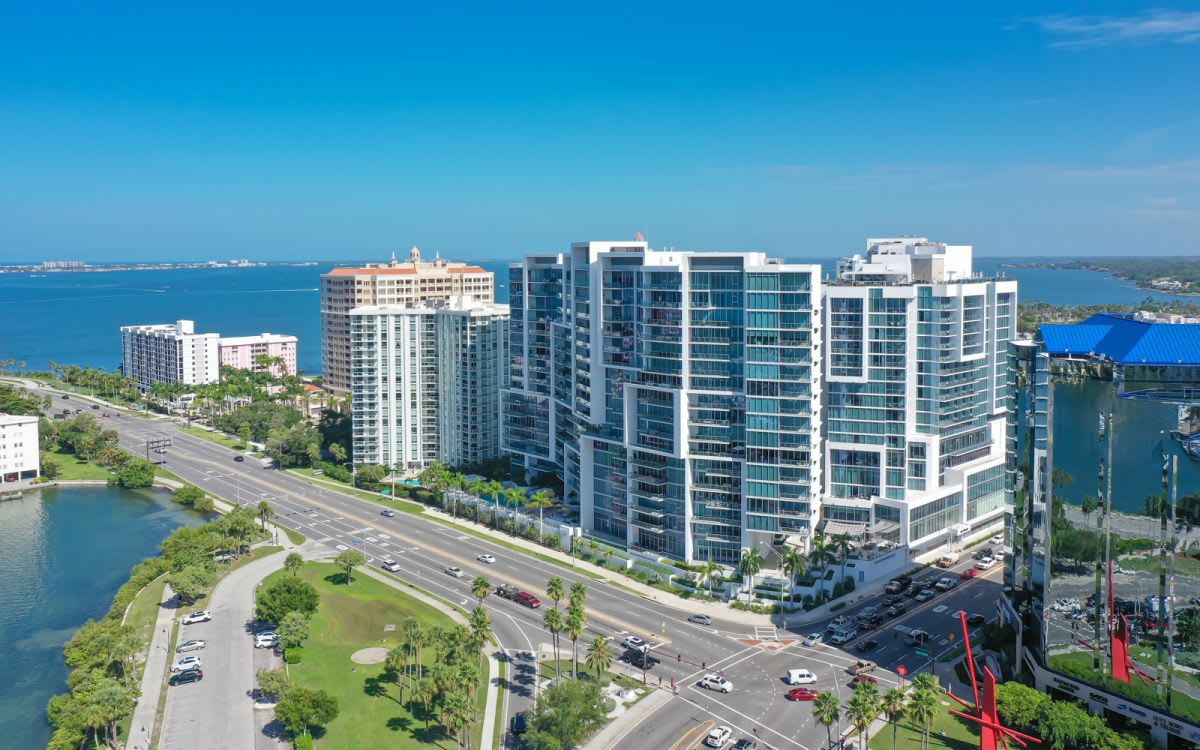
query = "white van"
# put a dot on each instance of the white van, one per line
(800, 677)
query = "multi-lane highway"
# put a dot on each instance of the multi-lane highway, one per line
(755, 659)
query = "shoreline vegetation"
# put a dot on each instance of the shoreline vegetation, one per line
(1034, 313)
(1169, 275)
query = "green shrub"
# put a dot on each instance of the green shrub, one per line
(303, 742)
(135, 474)
(836, 607)
(293, 655)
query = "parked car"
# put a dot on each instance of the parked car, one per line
(388, 513)
(866, 645)
(925, 595)
(861, 667)
(718, 736)
(813, 639)
(266, 640)
(633, 642)
(701, 619)
(896, 610)
(802, 694)
(389, 565)
(716, 682)
(455, 571)
(192, 645)
(486, 558)
(861, 678)
(527, 599)
(195, 617)
(745, 743)
(520, 723)
(189, 675)
(186, 663)
(800, 677)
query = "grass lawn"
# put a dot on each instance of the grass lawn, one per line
(142, 614)
(1184, 565)
(77, 468)
(585, 672)
(948, 731)
(351, 618)
(1079, 665)
(295, 536)
(220, 438)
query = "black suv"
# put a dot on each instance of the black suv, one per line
(186, 676)
(985, 552)
(520, 723)
(635, 659)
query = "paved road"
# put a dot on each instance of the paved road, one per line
(425, 548)
(218, 711)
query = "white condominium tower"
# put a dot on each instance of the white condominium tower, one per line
(426, 383)
(411, 283)
(169, 353)
(677, 394)
(915, 389)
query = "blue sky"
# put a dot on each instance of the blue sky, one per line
(134, 131)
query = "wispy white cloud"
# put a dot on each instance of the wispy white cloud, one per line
(1150, 27)
(1185, 170)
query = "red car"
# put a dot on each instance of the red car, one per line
(802, 694)
(528, 599)
(969, 573)
(863, 678)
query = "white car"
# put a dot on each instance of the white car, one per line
(1064, 605)
(716, 682)
(187, 662)
(838, 623)
(718, 736)
(193, 645)
(455, 571)
(985, 564)
(266, 640)
(201, 616)
(388, 513)
(813, 639)
(489, 559)
(998, 539)
(944, 584)
(389, 565)
(633, 642)
(800, 677)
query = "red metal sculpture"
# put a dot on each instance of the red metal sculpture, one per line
(992, 733)
(1118, 640)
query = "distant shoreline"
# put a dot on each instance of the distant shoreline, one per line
(1165, 281)
(110, 267)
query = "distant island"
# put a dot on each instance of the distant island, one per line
(1164, 274)
(75, 266)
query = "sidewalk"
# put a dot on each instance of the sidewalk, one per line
(493, 689)
(615, 731)
(141, 729)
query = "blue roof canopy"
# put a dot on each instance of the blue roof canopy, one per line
(1126, 341)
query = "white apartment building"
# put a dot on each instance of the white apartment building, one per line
(426, 383)
(20, 458)
(243, 352)
(406, 284)
(676, 394)
(915, 395)
(170, 353)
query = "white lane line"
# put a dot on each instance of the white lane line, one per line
(744, 716)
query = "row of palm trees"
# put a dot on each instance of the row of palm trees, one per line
(866, 703)
(821, 554)
(440, 478)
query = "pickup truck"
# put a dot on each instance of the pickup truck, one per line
(504, 591)
(896, 585)
(861, 667)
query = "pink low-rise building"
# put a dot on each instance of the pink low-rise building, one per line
(243, 352)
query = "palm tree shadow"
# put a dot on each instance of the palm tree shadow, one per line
(377, 686)
(336, 579)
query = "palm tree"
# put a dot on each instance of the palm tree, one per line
(480, 588)
(264, 513)
(553, 620)
(893, 705)
(480, 625)
(541, 500)
(293, 562)
(827, 710)
(794, 564)
(924, 704)
(494, 489)
(711, 572)
(576, 619)
(554, 590)
(841, 543)
(819, 553)
(863, 708)
(456, 716)
(750, 564)
(412, 636)
(422, 692)
(599, 658)
(578, 594)
(515, 496)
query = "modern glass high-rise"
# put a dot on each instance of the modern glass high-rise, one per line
(915, 395)
(426, 383)
(676, 394)
(1090, 581)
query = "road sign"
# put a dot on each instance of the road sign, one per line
(921, 652)
(902, 670)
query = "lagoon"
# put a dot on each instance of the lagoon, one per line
(64, 552)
